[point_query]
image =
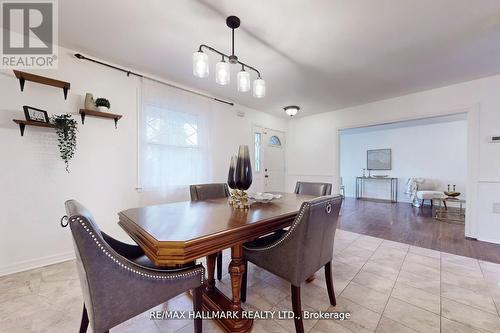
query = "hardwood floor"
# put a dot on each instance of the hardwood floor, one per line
(403, 223)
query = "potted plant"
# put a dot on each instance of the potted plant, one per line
(66, 128)
(102, 104)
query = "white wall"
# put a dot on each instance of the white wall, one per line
(313, 143)
(34, 184)
(436, 152)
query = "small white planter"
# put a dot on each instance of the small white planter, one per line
(102, 109)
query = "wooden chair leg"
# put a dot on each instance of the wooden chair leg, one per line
(244, 283)
(197, 307)
(85, 320)
(297, 309)
(219, 265)
(329, 283)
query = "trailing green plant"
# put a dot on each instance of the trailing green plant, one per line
(102, 102)
(66, 128)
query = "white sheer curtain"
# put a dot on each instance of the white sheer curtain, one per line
(173, 134)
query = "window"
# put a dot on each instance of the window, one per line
(258, 139)
(274, 141)
(173, 148)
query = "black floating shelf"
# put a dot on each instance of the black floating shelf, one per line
(23, 77)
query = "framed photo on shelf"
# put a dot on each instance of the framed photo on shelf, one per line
(34, 114)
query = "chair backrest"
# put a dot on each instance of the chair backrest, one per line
(425, 184)
(316, 189)
(208, 191)
(308, 244)
(89, 255)
(104, 280)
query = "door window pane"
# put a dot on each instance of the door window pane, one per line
(258, 144)
(274, 141)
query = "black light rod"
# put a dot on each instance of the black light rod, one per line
(200, 49)
(80, 56)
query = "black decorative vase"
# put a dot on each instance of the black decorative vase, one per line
(230, 177)
(243, 172)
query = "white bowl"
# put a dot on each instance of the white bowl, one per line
(263, 197)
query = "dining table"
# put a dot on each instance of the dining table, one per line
(175, 234)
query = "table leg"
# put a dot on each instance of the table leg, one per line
(214, 300)
(211, 272)
(236, 270)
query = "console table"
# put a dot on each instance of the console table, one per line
(360, 182)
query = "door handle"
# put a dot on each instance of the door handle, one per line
(266, 176)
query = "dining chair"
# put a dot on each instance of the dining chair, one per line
(201, 192)
(316, 189)
(118, 281)
(299, 252)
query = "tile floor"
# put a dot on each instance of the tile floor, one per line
(387, 287)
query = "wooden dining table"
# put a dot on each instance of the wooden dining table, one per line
(179, 233)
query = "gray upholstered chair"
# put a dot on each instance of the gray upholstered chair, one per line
(118, 281)
(316, 189)
(202, 192)
(299, 252)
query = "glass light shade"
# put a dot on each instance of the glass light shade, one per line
(222, 73)
(243, 79)
(259, 88)
(200, 64)
(291, 111)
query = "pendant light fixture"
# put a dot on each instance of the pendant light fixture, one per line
(291, 110)
(222, 68)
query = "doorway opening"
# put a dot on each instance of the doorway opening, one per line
(394, 177)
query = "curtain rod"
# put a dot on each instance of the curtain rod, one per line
(81, 56)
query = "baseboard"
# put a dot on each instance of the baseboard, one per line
(489, 240)
(35, 263)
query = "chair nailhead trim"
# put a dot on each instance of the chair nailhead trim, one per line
(289, 232)
(166, 276)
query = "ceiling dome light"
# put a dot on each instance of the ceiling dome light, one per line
(259, 88)
(222, 73)
(200, 64)
(291, 110)
(243, 79)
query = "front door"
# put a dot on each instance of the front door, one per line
(273, 162)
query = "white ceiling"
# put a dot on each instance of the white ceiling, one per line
(321, 55)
